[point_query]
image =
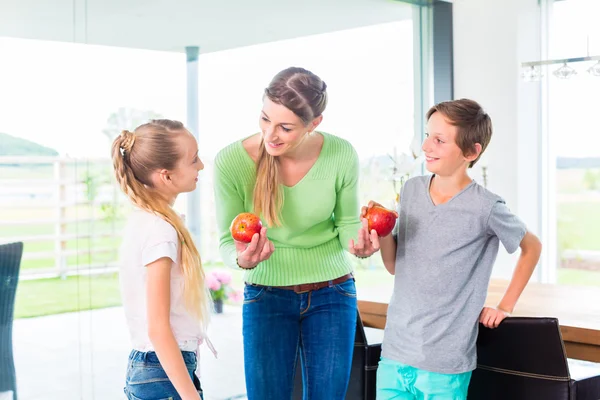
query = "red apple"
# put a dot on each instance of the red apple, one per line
(381, 219)
(244, 226)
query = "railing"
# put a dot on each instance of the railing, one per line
(69, 214)
(58, 207)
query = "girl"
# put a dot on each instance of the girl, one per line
(162, 281)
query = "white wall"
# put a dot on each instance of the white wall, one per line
(491, 39)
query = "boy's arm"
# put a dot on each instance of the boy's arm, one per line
(388, 252)
(531, 248)
(513, 234)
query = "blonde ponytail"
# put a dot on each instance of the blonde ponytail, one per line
(268, 194)
(134, 156)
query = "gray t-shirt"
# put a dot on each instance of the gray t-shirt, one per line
(444, 260)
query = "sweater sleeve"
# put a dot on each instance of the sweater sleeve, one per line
(229, 203)
(347, 207)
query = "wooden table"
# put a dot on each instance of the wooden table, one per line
(577, 310)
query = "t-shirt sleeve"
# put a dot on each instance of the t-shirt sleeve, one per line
(161, 242)
(506, 226)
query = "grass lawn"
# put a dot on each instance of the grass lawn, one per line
(578, 277)
(79, 293)
(579, 225)
(75, 293)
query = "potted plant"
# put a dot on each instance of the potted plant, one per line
(219, 284)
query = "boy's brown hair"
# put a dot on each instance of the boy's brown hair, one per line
(473, 124)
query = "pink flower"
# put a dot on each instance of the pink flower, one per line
(236, 296)
(222, 275)
(212, 282)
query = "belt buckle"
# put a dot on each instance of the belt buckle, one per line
(298, 288)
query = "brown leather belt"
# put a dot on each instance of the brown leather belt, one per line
(307, 287)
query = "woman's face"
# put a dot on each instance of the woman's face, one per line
(281, 129)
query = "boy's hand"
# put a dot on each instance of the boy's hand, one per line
(363, 210)
(491, 317)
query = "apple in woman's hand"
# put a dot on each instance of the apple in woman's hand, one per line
(244, 226)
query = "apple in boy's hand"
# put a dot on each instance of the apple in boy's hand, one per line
(244, 226)
(381, 219)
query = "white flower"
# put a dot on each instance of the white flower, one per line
(416, 147)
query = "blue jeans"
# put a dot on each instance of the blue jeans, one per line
(279, 325)
(147, 380)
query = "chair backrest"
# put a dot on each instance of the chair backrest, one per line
(527, 345)
(10, 263)
(521, 358)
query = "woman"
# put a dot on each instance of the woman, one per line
(300, 297)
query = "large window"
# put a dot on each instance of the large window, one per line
(62, 104)
(573, 133)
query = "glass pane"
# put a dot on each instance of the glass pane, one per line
(573, 102)
(62, 103)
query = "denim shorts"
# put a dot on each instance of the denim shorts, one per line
(147, 380)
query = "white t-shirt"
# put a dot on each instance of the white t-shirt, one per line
(147, 238)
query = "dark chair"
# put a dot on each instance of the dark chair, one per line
(10, 263)
(525, 359)
(363, 375)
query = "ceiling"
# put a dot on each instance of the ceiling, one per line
(214, 25)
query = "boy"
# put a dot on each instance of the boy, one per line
(442, 254)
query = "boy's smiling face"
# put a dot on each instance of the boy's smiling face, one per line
(442, 155)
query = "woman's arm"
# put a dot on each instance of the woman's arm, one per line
(229, 204)
(158, 289)
(347, 206)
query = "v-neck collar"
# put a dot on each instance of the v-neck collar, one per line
(308, 173)
(428, 189)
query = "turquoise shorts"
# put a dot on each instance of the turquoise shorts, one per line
(399, 381)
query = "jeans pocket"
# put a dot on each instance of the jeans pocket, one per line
(149, 382)
(347, 288)
(131, 396)
(253, 293)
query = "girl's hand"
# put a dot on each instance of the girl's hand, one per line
(253, 253)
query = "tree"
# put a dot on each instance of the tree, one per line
(127, 118)
(15, 146)
(592, 179)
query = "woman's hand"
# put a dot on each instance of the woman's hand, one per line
(253, 253)
(367, 244)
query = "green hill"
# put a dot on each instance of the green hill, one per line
(14, 146)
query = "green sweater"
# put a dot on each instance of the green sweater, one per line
(320, 214)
